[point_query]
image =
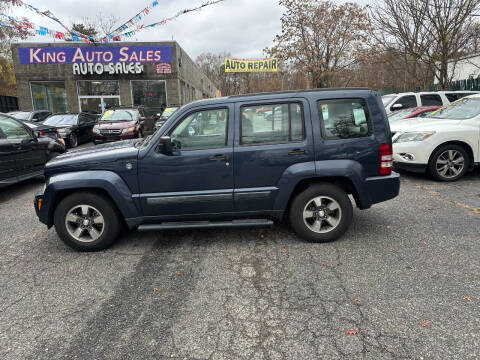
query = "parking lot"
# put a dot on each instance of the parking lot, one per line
(403, 283)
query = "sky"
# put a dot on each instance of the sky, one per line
(241, 27)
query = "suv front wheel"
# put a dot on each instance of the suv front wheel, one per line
(321, 213)
(449, 163)
(87, 221)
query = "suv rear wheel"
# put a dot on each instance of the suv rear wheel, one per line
(449, 163)
(87, 221)
(321, 213)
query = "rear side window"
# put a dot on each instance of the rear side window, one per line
(408, 101)
(271, 124)
(344, 118)
(431, 100)
(452, 96)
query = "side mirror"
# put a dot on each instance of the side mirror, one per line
(396, 107)
(165, 146)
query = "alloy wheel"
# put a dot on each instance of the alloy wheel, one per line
(84, 223)
(322, 214)
(450, 164)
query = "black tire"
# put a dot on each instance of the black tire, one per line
(439, 155)
(111, 225)
(305, 198)
(72, 140)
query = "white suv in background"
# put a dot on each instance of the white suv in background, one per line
(446, 144)
(394, 102)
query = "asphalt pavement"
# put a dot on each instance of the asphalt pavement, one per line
(404, 282)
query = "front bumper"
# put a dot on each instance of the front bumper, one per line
(41, 208)
(98, 138)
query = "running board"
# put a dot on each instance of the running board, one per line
(205, 224)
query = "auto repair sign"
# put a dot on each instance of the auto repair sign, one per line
(242, 65)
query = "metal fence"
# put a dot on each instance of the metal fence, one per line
(467, 84)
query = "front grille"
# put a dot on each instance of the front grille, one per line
(110, 132)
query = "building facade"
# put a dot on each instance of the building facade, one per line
(73, 77)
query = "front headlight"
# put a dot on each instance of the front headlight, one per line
(414, 136)
(128, 130)
(96, 131)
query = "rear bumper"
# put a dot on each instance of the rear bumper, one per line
(383, 188)
(417, 168)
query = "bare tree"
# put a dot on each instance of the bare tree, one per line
(98, 26)
(321, 38)
(427, 33)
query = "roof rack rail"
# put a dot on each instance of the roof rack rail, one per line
(300, 91)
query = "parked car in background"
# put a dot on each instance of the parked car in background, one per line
(419, 111)
(445, 145)
(394, 102)
(43, 130)
(123, 123)
(169, 111)
(34, 116)
(74, 129)
(23, 154)
(218, 163)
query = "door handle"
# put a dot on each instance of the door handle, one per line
(219, 157)
(297, 152)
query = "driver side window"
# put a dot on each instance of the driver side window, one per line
(201, 130)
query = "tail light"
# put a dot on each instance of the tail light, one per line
(41, 133)
(386, 161)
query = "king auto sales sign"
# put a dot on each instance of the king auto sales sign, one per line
(100, 59)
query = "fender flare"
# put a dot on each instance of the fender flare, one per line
(106, 181)
(323, 170)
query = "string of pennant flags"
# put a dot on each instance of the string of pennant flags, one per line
(73, 35)
(164, 21)
(27, 26)
(50, 15)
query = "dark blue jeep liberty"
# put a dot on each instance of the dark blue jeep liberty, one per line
(233, 161)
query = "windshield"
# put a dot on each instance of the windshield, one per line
(387, 99)
(20, 115)
(119, 115)
(401, 114)
(66, 119)
(465, 108)
(169, 112)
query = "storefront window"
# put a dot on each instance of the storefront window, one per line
(150, 93)
(98, 88)
(49, 95)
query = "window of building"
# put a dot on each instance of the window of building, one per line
(271, 124)
(98, 88)
(202, 130)
(150, 93)
(344, 118)
(431, 100)
(183, 97)
(49, 95)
